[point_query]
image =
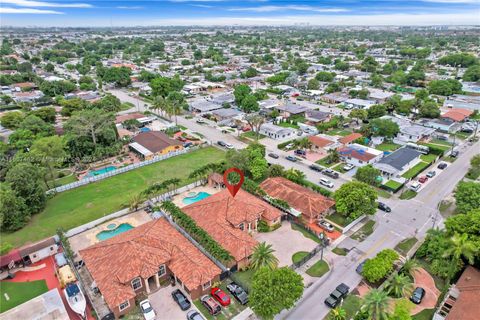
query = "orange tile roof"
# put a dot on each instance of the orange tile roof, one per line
(457, 114)
(220, 215)
(310, 203)
(350, 138)
(354, 153)
(319, 141)
(139, 252)
(467, 306)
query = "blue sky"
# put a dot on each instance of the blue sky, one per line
(232, 12)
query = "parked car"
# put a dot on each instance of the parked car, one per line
(211, 305)
(443, 138)
(326, 183)
(325, 225)
(181, 300)
(291, 158)
(220, 296)
(348, 167)
(289, 146)
(415, 186)
(417, 295)
(315, 168)
(147, 310)
(442, 165)
(221, 143)
(229, 146)
(238, 292)
(273, 155)
(431, 174)
(337, 295)
(194, 315)
(359, 268)
(200, 121)
(454, 154)
(188, 144)
(382, 206)
(330, 173)
(423, 179)
(301, 153)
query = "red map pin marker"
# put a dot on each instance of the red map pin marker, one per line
(233, 188)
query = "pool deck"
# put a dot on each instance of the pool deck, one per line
(89, 237)
(178, 198)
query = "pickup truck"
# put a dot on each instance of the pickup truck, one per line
(337, 295)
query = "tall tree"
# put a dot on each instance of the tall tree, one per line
(354, 199)
(376, 303)
(263, 256)
(90, 123)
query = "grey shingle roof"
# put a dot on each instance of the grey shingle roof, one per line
(400, 158)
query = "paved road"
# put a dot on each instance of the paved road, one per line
(408, 218)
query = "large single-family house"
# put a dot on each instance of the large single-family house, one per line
(321, 143)
(409, 132)
(316, 116)
(359, 155)
(153, 143)
(229, 220)
(291, 109)
(276, 132)
(398, 162)
(457, 114)
(358, 103)
(312, 205)
(138, 260)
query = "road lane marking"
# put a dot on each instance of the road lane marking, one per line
(374, 247)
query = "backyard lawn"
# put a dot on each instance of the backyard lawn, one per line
(413, 172)
(394, 185)
(20, 292)
(428, 157)
(81, 205)
(387, 146)
(318, 269)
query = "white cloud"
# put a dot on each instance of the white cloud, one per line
(201, 5)
(289, 7)
(452, 1)
(39, 4)
(27, 11)
(130, 7)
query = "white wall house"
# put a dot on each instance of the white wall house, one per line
(275, 132)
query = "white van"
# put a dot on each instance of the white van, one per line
(415, 186)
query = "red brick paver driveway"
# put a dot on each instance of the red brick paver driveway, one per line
(423, 279)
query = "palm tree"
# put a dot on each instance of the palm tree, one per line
(399, 286)
(410, 266)
(135, 201)
(333, 156)
(294, 174)
(376, 303)
(263, 257)
(338, 314)
(460, 247)
(159, 104)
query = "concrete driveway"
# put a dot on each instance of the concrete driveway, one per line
(164, 305)
(286, 241)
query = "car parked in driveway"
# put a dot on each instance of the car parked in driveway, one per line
(211, 305)
(301, 153)
(417, 295)
(326, 225)
(327, 183)
(291, 158)
(238, 292)
(194, 315)
(315, 168)
(442, 165)
(229, 146)
(382, 206)
(423, 179)
(147, 310)
(220, 296)
(348, 167)
(337, 295)
(431, 174)
(273, 155)
(181, 300)
(330, 173)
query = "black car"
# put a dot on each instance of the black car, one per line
(315, 168)
(221, 143)
(454, 154)
(181, 300)
(291, 158)
(330, 173)
(442, 166)
(300, 152)
(417, 295)
(337, 295)
(238, 293)
(273, 155)
(382, 206)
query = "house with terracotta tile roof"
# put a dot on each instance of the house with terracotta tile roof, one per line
(350, 138)
(230, 220)
(312, 205)
(321, 144)
(359, 155)
(138, 260)
(463, 299)
(457, 114)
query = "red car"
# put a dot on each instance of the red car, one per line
(422, 179)
(220, 296)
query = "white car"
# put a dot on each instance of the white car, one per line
(326, 183)
(147, 310)
(348, 167)
(229, 146)
(415, 186)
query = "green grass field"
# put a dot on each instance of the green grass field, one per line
(20, 292)
(298, 256)
(415, 170)
(318, 269)
(78, 206)
(387, 146)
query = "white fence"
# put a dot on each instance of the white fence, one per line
(123, 212)
(112, 173)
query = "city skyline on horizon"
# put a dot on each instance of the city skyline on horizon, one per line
(118, 13)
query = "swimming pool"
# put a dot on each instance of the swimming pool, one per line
(199, 196)
(101, 171)
(107, 234)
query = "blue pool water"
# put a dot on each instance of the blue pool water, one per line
(101, 171)
(107, 234)
(199, 196)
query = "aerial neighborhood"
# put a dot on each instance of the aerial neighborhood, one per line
(357, 161)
